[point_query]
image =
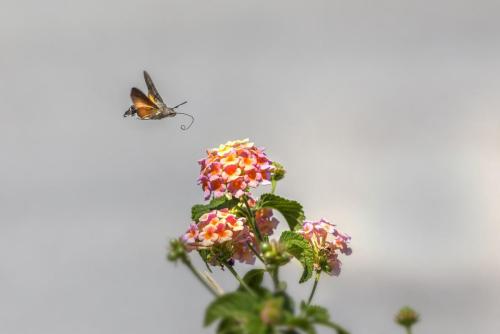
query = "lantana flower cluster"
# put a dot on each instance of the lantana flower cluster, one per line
(221, 228)
(328, 242)
(232, 168)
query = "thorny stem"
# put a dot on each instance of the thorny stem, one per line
(199, 276)
(239, 279)
(315, 285)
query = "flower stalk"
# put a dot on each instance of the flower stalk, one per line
(239, 279)
(199, 276)
(315, 285)
(251, 219)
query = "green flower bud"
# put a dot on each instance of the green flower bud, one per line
(406, 317)
(275, 253)
(279, 171)
(266, 247)
(176, 251)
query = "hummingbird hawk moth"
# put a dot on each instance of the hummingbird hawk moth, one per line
(151, 106)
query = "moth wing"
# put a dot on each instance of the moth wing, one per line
(152, 91)
(144, 105)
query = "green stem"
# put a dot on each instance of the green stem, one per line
(251, 217)
(273, 271)
(199, 276)
(242, 282)
(273, 185)
(408, 329)
(275, 276)
(315, 285)
(256, 253)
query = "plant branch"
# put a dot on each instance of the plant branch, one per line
(239, 279)
(199, 276)
(274, 272)
(251, 217)
(252, 248)
(315, 285)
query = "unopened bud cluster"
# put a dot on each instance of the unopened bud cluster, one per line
(176, 251)
(275, 253)
(407, 317)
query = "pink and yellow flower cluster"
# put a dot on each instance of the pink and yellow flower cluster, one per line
(233, 168)
(220, 227)
(328, 242)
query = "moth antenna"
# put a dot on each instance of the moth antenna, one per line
(180, 104)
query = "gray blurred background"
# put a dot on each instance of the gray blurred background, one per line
(385, 113)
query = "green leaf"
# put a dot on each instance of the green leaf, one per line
(254, 277)
(292, 211)
(204, 256)
(223, 202)
(288, 303)
(256, 326)
(229, 326)
(319, 315)
(315, 313)
(339, 329)
(301, 323)
(239, 305)
(301, 249)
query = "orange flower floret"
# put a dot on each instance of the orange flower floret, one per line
(234, 223)
(223, 234)
(208, 235)
(231, 172)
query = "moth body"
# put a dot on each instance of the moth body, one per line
(151, 106)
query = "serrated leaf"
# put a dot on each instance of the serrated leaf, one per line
(301, 249)
(292, 211)
(223, 202)
(198, 210)
(239, 305)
